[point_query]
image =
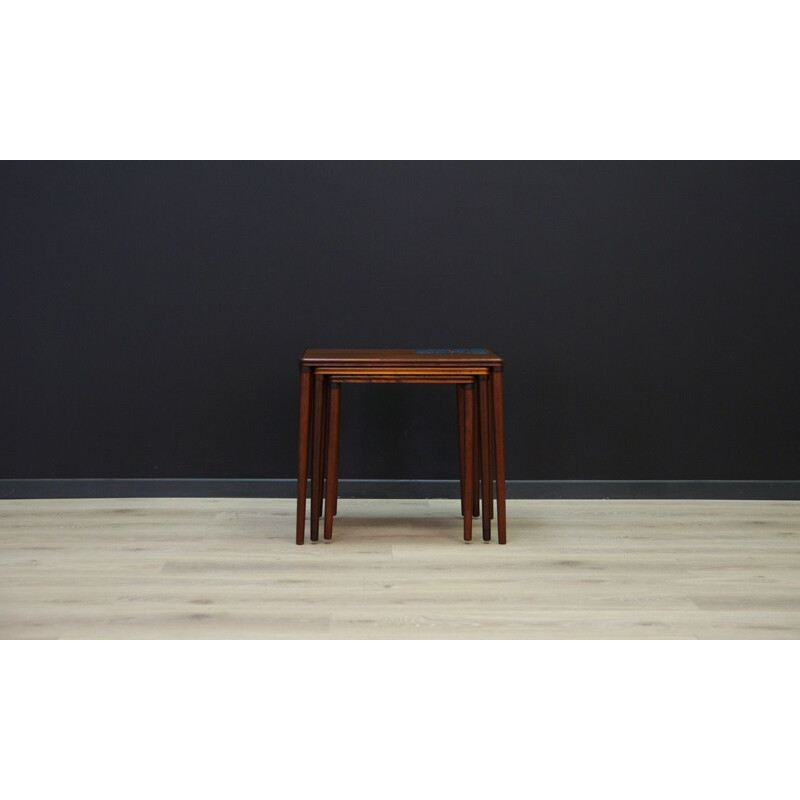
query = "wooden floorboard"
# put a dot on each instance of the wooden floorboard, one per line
(228, 568)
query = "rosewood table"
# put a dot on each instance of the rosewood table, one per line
(478, 376)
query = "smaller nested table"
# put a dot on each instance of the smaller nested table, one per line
(478, 377)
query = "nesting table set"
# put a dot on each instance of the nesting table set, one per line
(478, 377)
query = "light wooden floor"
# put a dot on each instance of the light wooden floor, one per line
(229, 568)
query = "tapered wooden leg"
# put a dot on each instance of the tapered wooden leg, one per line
(486, 456)
(335, 507)
(460, 418)
(334, 396)
(324, 451)
(302, 451)
(499, 449)
(476, 462)
(491, 449)
(469, 462)
(317, 455)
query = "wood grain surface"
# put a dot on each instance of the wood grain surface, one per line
(394, 357)
(229, 568)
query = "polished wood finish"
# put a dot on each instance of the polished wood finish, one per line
(482, 486)
(334, 403)
(486, 456)
(491, 449)
(407, 370)
(476, 462)
(302, 451)
(500, 456)
(460, 419)
(463, 368)
(343, 377)
(323, 378)
(337, 426)
(317, 461)
(469, 463)
(324, 449)
(391, 358)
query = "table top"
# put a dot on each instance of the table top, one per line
(423, 357)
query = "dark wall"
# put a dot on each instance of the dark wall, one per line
(153, 313)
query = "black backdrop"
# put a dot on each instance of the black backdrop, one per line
(153, 313)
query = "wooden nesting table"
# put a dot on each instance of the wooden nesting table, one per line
(478, 377)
